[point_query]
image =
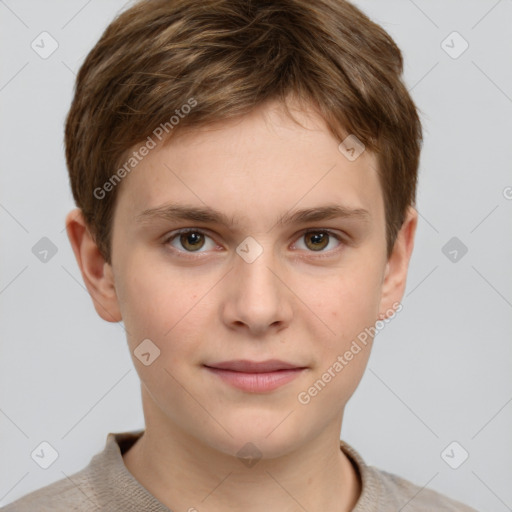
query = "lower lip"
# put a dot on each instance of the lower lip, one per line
(257, 382)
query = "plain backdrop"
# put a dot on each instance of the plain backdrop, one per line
(439, 372)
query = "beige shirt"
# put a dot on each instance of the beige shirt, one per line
(107, 485)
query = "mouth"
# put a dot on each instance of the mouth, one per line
(256, 376)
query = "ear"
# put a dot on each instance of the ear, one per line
(395, 275)
(96, 273)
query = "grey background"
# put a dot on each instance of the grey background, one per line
(440, 371)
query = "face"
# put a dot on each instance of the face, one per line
(251, 279)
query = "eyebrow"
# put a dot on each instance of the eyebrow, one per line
(174, 212)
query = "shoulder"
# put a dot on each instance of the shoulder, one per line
(400, 492)
(101, 483)
(386, 492)
(71, 493)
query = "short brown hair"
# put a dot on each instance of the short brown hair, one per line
(231, 56)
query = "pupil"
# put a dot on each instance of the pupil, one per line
(317, 238)
(191, 240)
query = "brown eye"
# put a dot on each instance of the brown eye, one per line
(322, 241)
(317, 240)
(192, 241)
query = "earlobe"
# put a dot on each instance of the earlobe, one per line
(398, 264)
(96, 272)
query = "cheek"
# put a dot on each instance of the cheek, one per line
(352, 301)
(164, 307)
(350, 308)
(145, 300)
(155, 308)
(350, 305)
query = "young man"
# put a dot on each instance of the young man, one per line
(245, 177)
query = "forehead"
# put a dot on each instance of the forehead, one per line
(262, 164)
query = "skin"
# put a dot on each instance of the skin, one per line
(290, 303)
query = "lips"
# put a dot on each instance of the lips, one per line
(255, 376)
(245, 366)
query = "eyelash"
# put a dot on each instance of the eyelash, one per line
(191, 254)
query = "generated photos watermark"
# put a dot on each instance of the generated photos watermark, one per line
(304, 397)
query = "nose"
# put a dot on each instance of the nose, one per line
(257, 297)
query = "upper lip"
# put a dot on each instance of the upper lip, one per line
(243, 365)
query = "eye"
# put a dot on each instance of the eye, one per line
(191, 240)
(317, 240)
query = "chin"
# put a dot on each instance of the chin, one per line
(268, 437)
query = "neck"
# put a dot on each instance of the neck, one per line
(185, 474)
